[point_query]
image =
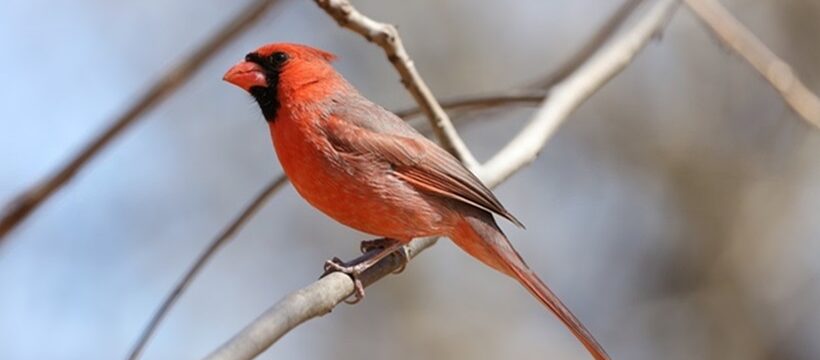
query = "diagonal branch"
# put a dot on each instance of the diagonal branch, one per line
(387, 37)
(572, 92)
(323, 295)
(530, 95)
(600, 37)
(732, 33)
(28, 201)
(224, 236)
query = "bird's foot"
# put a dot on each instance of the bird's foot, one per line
(374, 251)
(385, 243)
(335, 264)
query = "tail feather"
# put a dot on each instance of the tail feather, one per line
(480, 237)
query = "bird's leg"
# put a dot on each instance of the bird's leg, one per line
(383, 243)
(354, 270)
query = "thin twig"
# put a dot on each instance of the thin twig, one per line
(601, 36)
(26, 202)
(732, 33)
(387, 37)
(524, 96)
(323, 295)
(529, 96)
(227, 234)
(571, 93)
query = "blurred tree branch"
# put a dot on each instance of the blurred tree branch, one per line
(224, 236)
(732, 33)
(323, 295)
(387, 37)
(522, 96)
(536, 92)
(574, 90)
(28, 201)
(600, 37)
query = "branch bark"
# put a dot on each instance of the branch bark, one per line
(732, 33)
(28, 201)
(323, 295)
(387, 37)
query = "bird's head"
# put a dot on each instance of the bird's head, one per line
(274, 71)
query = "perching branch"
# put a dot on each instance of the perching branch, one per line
(323, 295)
(314, 300)
(732, 33)
(23, 204)
(224, 236)
(387, 37)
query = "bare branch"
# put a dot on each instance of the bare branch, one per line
(572, 92)
(533, 97)
(600, 37)
(320, 297)
(23, 204)
(217, 243)
(387, 37)
(524, 96)
(731, 32)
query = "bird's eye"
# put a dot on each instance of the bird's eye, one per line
(278, 58)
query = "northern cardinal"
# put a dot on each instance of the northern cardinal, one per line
(363, 166)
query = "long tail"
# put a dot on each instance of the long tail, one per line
(480, 237)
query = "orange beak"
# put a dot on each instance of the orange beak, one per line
(246, 75)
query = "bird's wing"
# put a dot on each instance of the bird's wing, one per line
(416, 160)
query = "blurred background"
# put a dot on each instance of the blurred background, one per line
(676, 212)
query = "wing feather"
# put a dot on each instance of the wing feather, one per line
(416, 160)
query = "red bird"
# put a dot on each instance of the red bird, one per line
(363, 166)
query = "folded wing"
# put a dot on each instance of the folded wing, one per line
(417, 161)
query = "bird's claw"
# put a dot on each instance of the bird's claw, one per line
(383, 243)
(335, 264)
(380, 248)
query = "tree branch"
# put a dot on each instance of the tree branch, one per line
(732, 33)
(571, 93)
(224, 236)
(523, 96)
(323, 295)
(23, 204)
(387, 37)
(528, 95)
(600, 37)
